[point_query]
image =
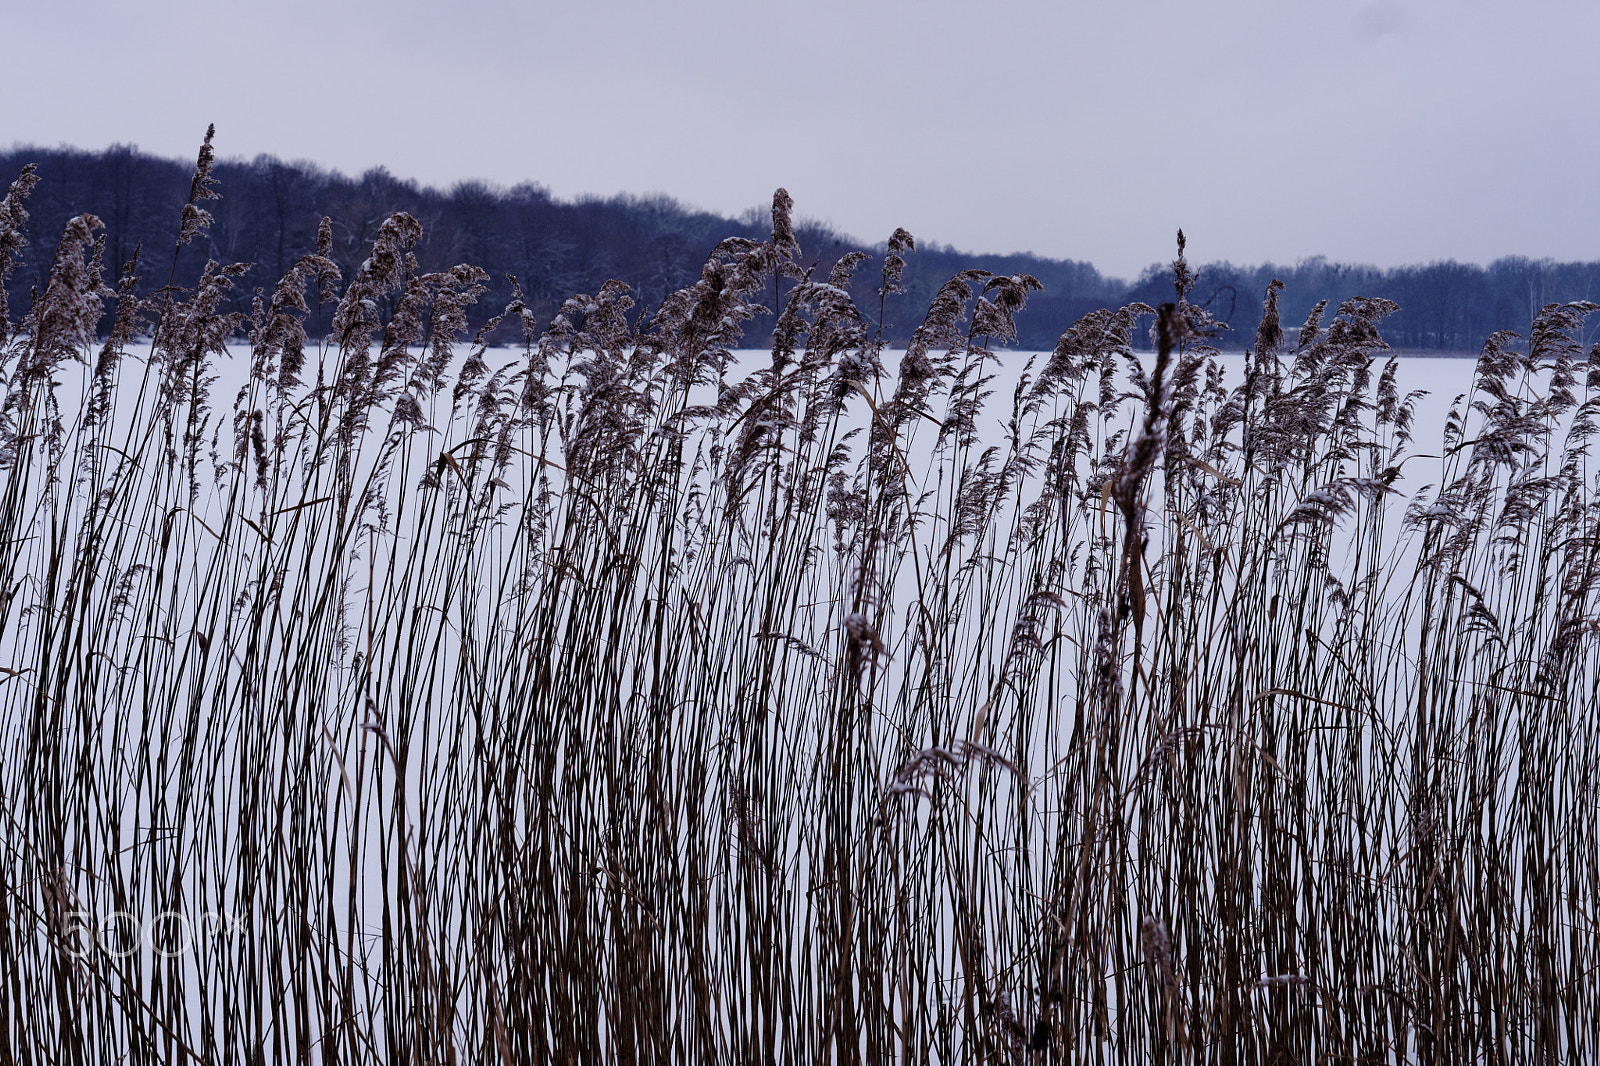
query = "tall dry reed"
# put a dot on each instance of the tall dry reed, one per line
(608, 700)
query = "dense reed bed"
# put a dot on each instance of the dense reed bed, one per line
(607, 700)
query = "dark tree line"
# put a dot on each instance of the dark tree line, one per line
(1445, 306)
(270, 212)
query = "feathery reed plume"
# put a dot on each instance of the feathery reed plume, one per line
(202, 187)
(942, 763)
(123, 328)
(13, 237)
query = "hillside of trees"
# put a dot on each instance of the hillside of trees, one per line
(1444, 306)
(270, 212)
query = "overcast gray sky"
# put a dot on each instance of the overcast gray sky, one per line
(1377, 131)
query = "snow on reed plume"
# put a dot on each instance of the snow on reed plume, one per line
(610, 700)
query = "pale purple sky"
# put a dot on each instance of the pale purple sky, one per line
(1374, 131)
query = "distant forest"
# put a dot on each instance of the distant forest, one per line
(270, 212)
